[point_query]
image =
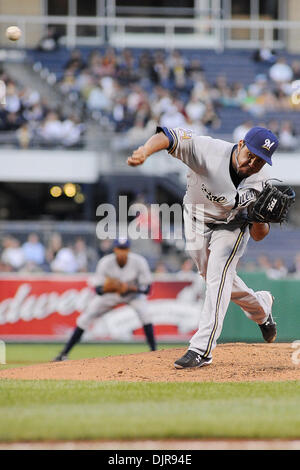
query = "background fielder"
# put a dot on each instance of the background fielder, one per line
(121, 277)
(224, 179)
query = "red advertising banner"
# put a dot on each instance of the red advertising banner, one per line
(45, 307)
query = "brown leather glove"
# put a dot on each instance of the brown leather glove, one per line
(112, 285)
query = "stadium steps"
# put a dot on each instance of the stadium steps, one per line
(28, 78)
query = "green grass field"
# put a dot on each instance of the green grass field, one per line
(18, 355)
(64, 410)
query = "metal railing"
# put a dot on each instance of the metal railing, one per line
(160, 32)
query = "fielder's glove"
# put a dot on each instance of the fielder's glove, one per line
(111, 285)
(114, 285)
(272, 205)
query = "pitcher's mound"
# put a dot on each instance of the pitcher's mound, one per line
(232, 362)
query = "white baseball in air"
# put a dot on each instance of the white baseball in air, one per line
(13, 33)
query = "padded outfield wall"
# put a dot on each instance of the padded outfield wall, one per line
(45, 307)
(286, 310)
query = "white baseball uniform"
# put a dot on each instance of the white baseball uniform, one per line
(135, 272)
(215, 231)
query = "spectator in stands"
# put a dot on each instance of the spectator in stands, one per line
(136, 97)
(51, 129)
(83, 83)
(81, 255)
(147, 73)
(187, 271)
(75, 61)
(122, 117)
(239, 93)
(161, 268)
(126, 71)
(97, 99)
(29, 97)
(65, 261)
(53, 247)
(49, 42)
(176, 62)
(282, 101)
(195, 108)
(34, 113)
(265, 55)
(173, 117)
(281, 72)
(259, 86)
(296, 265)
(24, 136)
(34, 251)
(287, 137)
(249, 266)
(13, 102)
(109, 87)
(105, 247)
(72, 131)
(273, 125)
(139, 133)
(241, 130)
(194, 69)
(296, 69)
(67, 83)
(264, 263)
(210, 118)
(12, 122)
(161, 100)
(278, 270)
(109, 62)
(160, 66)
(12, 254)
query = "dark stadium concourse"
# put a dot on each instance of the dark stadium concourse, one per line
(42, 201)
(71, 201)
(155, 189)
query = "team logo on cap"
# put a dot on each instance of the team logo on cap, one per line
(268, 144)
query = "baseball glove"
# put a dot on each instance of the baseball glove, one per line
(272, 205)
(112, 285)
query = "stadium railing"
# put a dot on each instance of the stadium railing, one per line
(171, 33)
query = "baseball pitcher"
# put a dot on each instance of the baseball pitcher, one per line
(228, 199)
(121, 277)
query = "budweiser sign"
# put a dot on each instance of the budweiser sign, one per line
(47, 307)
(26, 306)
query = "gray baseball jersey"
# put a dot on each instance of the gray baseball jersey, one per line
(215, 200)
(211, 194)
(136, 271)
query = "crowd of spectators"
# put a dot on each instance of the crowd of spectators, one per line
(78, 256)
(275, 268)
(288, 137)
(28, 120)
(131, 94)
(54, 256)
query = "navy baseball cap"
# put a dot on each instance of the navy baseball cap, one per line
(121, 243)
(262, 142)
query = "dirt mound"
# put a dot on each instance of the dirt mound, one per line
(232, 362)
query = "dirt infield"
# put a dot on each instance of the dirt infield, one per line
(232, 362)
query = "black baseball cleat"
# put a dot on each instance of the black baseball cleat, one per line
(60, 357)
(269, 330)
(192, 359)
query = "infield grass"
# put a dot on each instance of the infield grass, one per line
(73, 410)
(18, 355)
